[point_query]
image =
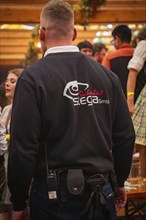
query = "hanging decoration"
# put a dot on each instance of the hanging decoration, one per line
(87, 8)
(32, 54)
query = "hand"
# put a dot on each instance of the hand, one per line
(20, 215)
(120, 201)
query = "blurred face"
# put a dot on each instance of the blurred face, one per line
(10, 85)
(101, 55)
(116, 42)
(87, 51)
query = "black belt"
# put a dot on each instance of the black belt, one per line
(78, 184)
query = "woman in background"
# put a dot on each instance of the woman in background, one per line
(10, 85)
(138, 111)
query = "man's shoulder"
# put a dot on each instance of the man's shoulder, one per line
(33, 69)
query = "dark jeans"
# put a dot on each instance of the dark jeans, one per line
(68, 208)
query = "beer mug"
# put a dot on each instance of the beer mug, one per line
(135, 174)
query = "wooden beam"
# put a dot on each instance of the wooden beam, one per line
(15, 41)
(16, 14)
(117, 16)
(13, 56)
(34, 1)
(12, 33)
(13, 49)
(112, 12)
(119, 12)
(7, 62)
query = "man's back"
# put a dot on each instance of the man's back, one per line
(73, 99)
(78, 108)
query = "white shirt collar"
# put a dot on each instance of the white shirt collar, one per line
(61, 49)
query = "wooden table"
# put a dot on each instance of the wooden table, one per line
(136, 202)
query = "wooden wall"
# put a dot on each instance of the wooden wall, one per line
(13, 46)
(28, 11)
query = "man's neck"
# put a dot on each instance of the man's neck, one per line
(57, 44)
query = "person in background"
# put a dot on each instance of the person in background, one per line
(3, 148)
(137, 69)
(99, 50)
(139, 36)
(138, 111)
(70, 130)
(10, 85)
(85, 47)
(117, 61)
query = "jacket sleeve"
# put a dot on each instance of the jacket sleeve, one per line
(24, 142)
(123, 138)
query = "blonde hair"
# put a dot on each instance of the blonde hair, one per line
(17, 71)
(58, 15)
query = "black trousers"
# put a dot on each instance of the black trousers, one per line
(67, 208)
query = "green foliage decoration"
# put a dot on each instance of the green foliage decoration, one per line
(32, 53)
(87, 8)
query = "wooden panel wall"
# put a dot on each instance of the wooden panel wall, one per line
(13, 46)
(114, 11)
(14, 43)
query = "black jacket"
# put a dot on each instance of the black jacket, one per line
(77, 106)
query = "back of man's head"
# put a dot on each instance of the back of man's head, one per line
(57, 15)
(123, 32)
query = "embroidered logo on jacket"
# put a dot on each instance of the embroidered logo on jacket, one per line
(80, 94)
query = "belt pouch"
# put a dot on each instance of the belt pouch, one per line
(75, 181)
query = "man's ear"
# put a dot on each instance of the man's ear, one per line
(118, 39)
(74, 34)
(42, 34)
